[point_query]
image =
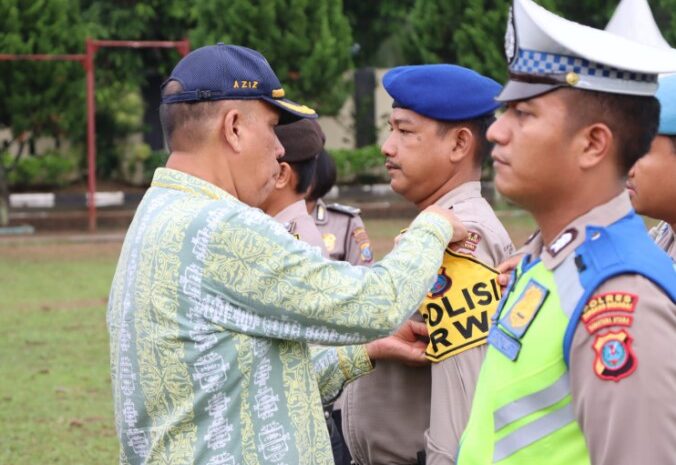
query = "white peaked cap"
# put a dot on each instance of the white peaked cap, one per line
(546, 52)
(634, 20)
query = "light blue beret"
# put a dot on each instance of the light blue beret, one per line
(666, 94)
(442, 92)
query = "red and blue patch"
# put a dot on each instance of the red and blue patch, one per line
(441, 285)
(615, 358)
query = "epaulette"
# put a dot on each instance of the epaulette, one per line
(340, 208)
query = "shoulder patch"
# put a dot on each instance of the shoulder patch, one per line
(346, 209)
(362, 240)
(608, 302)
(615, 358)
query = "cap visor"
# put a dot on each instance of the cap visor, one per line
(291, 111)
(515, 90)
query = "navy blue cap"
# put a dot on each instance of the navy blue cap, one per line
(442, 92)
(231, 72)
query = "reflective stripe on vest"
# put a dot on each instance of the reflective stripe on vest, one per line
(531, 432)
(530, 404)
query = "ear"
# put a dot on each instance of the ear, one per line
(286, 176)
(463, 143)
(597, 141)
(231, 127)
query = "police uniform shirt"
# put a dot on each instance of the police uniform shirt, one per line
(663, 235)
(454, 379)
(343, 233)
(298, 222)
(386, 414)
(616, 424)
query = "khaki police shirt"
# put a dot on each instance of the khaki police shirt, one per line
(343, 233)
(454, 379)
(298, 222)
(663, 235)
(630, 419)
(386, 413)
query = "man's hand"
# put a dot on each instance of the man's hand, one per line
(407, 345)
(505, 269)
(459, 230)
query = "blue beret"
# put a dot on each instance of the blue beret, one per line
(442, 92)
(666, 94)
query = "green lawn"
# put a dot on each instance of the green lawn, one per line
(55, 400)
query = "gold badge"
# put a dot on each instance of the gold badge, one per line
(522, 312)
(329, 241)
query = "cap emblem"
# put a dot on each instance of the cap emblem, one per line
(572, 78)
(277, 93)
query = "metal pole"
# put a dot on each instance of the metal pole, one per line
(91, 135)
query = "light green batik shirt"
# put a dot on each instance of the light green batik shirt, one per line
(211, 310)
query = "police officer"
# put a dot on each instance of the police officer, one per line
(341, 227)
(651, 180)
(434, 155)
(302, 142)
(576, 371)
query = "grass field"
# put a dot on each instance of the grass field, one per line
(55, 400)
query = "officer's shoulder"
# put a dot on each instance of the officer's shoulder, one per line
(344, 209)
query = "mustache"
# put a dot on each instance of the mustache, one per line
(390, 165)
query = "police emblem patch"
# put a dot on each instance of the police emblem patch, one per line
(615, 358)
(362, 240)
(441, 285)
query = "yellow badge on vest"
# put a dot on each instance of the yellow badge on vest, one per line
(459, 307)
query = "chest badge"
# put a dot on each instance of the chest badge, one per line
(522, 313)
(329, 241)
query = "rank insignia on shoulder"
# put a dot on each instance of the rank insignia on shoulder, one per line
(469, 245)
(521, 314)
(615, 358)
(348, 210)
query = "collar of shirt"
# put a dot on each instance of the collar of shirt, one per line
(572, 235)
(292, 212)
(177, 180)
(468, 190)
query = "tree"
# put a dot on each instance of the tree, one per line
(39, 99)
(375, 25)
(307, 42)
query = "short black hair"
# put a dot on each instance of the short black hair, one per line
(325, 176)
(305, 170)
(632, 119)
(479, 127)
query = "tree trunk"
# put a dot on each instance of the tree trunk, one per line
(4, 198)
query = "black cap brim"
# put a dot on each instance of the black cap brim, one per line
(516, 90)
(291, 111)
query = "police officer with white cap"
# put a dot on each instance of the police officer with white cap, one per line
(434, 153)
(577, 370)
